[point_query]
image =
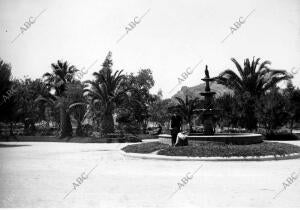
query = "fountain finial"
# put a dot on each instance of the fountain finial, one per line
(207, 89)
(206, 72)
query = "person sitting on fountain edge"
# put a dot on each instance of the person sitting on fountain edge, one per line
(181, 139)
(176, 121)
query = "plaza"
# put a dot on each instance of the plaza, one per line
(40, 174)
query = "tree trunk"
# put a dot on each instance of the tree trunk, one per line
(26, 127)
(32, 126)
(11, 133)
(107, 124)
(251, 121)
(190, 127)
(69, 125)
(79, 131)
(144, 127)
(291, 125)
(65, 123)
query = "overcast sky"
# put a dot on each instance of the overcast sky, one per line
(172, 36)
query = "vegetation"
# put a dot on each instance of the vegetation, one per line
(6, 100)
(62, 75)
(158, 109)
(134, 113)
(112, 102)
(271, 110)
(253, 81)
(215, 149)
(229, 114)
(27, 111)
(119, 103)
(148, 147)
(78, 107)
(280, 136)
(187, 109)
(292, 95)
(106, 92)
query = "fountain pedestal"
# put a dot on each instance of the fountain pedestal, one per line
(208, 111)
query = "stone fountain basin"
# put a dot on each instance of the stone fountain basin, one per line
(233, 138)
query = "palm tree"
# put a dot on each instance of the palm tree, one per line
(187, 108)
(106, 92)
(253, 78)
(79, 112)
(78, 105)
(253, 81)
(62, 75)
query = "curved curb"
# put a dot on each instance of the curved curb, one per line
(185, 158)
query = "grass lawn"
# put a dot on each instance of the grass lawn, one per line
(145, 147)
(215, 149)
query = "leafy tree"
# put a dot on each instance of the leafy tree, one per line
(5, 80)
(62, 75)
(127, 122)
(228, 112)
(253, 81)
(293, 107)
(27, 111)
(158, 109)
(140, 98)
(5, 84)
(7, 113)
(271, 110)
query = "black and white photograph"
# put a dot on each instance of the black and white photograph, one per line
(149, 103)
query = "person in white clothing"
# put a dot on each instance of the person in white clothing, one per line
(181, 139)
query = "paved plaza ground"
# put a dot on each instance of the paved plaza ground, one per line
(41, 174)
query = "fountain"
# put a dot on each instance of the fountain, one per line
(208, 121)
(208, 111)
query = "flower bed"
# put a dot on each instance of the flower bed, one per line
(214, 149)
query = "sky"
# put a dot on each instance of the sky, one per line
(169, 37)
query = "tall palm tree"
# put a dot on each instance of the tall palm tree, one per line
(187, 108)
(251, 82)
(254, 78)
(62, 75)
(106, 92)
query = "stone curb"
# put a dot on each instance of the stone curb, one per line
(185, 158)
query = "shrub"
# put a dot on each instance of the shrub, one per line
(280, 136)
